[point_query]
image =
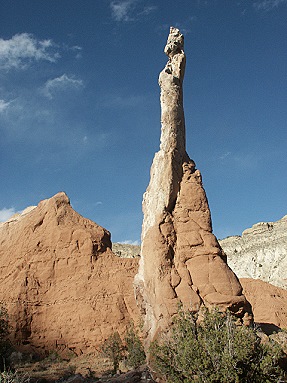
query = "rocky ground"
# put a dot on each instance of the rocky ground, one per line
(85, 368)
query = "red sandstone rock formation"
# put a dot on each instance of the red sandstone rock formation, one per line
(269, 303)
(181, 260)
(60, 281)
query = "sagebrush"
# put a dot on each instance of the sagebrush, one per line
(215, 350)
(130, 349)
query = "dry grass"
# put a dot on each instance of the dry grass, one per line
(13, 377)
(53, 368)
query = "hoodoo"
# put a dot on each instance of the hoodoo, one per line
(181, 259)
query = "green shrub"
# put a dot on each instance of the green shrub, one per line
(134, 348)
(215, 350)
(114, 350)
(4, 333)
(13, 377)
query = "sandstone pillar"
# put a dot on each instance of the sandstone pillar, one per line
(181, 260)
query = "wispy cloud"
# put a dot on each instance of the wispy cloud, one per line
(6, 213)
(78, 51)
(61, 83)
(185, 26)
(243, 161)
(225, 155)
(4, 105)
(23, 49)
(247, 161)
(267, 5)
(121, 101)
(130, 10)
(130, 242)
(121, 10)
(147, 10)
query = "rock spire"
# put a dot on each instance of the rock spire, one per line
(181, 260)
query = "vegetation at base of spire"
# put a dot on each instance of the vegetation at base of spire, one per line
(135, 354)
(215, 350)
(113, 349)
(131, 350)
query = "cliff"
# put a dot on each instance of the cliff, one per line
(63, 286)
(260, 253)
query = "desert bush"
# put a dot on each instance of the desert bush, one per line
(113, 349)
(134, 348)
(4, 333)
(214, 350)
(13, 377)
(53, 357)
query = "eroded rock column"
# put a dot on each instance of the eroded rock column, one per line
(181, 260)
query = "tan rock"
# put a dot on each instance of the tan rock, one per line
(269, 303)
(181, 260)
(63, 286)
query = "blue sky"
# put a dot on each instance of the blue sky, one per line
(79, 105)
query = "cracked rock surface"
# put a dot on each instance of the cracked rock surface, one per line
(181, 260)
(64, 288)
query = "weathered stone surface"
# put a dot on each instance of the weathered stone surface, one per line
(181, 260)
(260, 253)
(61, 283)
(125, 250)
(269, 303)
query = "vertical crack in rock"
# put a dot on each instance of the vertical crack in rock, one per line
(181, 260)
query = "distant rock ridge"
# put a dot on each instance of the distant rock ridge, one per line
(63, 286)
(260, 253)
(125, 250)
(181, 260)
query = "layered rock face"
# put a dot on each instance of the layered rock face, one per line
(124, 250)
(181, 260)
(260, 253)
(61, 283)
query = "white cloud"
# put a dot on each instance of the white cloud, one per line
(242, 161)
(22, 49)
(225, 155)
(121, 10)
(61, 83)
(4, 105)
(267, 5)
(6, 214)
(130, 10)
(147, 10)
(78, 51)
